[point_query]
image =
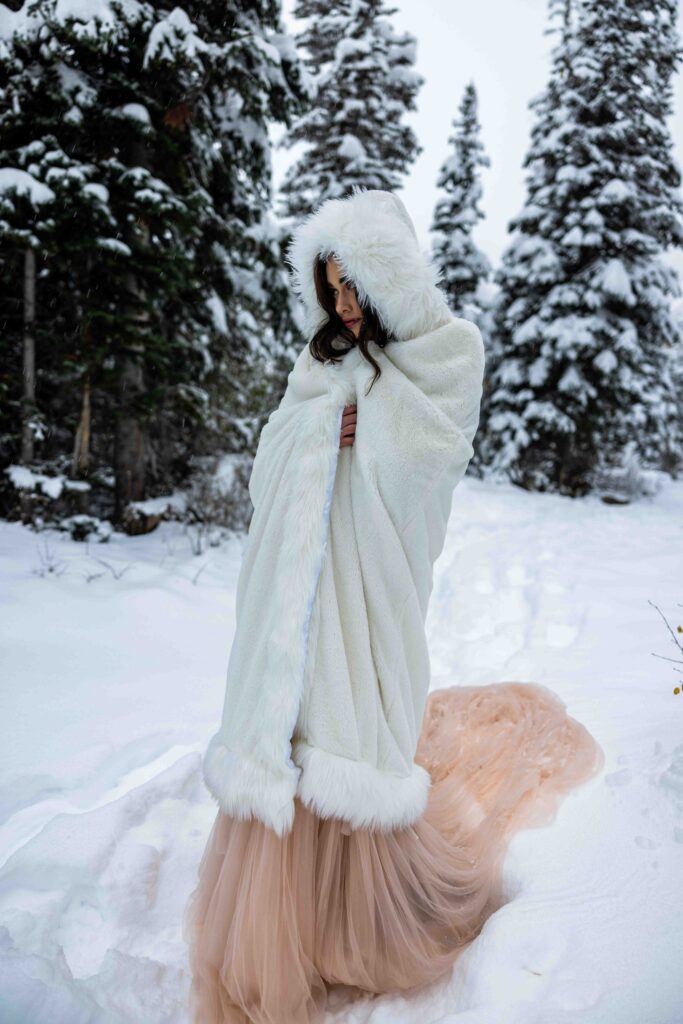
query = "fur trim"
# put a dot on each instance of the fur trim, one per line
(357, 792)
(245, 787)
(373, 238)
(297, 575)
(262, 780)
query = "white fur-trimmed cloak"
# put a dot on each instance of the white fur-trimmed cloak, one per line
(329, 669)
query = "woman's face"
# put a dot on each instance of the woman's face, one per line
(344, 295)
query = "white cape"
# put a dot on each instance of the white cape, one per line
(329, 669)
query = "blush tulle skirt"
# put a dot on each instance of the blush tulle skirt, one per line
(274, 921)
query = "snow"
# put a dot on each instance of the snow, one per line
(77, 172)
(98, 191)
(174, 33)
(267, 48)
(176, 502)
(114, 245)
(81, 10)
(350, 47)
(286, 47)
(617, 282)
(538, 371)
(616, 191)
(351, 148)
(75, 84)
(571, 380)
(92, 17)
(135, 112)
(73, 116)
(114, 668)
(573, 237)
(606, 360)
(52, 486)
(217, 310)
(24, 184)
(21, 21)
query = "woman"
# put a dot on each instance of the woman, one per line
(362, 823)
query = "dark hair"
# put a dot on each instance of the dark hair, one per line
(371, 328)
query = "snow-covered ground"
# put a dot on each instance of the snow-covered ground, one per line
(112, 682)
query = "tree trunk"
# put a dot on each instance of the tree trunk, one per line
(130, 438)
(29, 347)
(130, 435)
(81, 457)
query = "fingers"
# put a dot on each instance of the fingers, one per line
(348, 426)
(347, 435)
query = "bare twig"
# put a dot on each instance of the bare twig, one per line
(673, 635)
(676, 641)
(663, 657)
(201, 570)
(90, 576)
(116, 574)
(49, 562)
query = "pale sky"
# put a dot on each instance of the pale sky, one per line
(500, 45)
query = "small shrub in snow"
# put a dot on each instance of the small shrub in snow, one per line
(626, 480)
(677, 637)
(42, 496)
(217, 500)
(84, 527)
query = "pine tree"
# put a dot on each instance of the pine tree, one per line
(254, 77)
(584, 323)
(462, 264)
(55, 207)
(363, 83)
(152, 126)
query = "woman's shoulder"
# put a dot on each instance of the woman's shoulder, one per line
(468, 337)
(448, 342)
(466, 331)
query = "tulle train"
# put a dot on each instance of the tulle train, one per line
(274, 921)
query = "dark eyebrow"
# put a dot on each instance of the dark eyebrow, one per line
(343, 280)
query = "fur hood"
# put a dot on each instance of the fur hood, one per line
(371, 235)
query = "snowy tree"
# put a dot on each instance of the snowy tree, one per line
(677, 354)
(53, 214)
(25, 224)
(584, 320)
(247, 74)
(462, 264)
(151, 126)
(324, 25)
(363, 83)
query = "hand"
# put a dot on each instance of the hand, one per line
(348, 426)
